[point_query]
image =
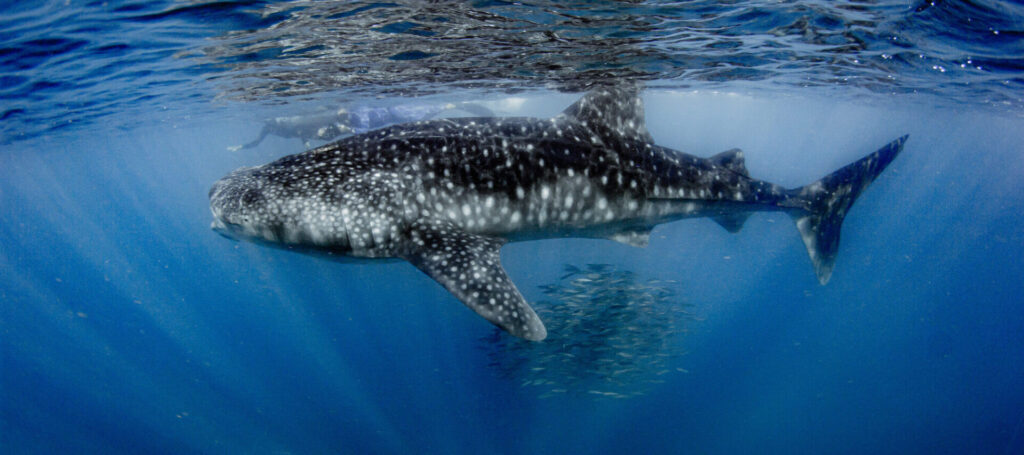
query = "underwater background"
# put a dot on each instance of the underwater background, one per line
(128, 326)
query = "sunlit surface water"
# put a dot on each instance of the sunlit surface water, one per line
(128, 326)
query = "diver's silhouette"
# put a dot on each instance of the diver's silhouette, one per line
(332, 125)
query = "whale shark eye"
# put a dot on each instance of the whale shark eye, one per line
(251, 196)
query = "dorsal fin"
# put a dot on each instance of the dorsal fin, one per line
(731, 160)
(612, 113)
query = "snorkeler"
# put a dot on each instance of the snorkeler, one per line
(329, 126)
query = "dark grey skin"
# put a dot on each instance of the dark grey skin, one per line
(446, 194)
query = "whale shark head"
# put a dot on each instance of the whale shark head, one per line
(257, 205)
(239, 205)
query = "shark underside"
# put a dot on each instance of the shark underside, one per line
(446, 194)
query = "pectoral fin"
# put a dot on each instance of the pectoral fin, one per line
(469, 266)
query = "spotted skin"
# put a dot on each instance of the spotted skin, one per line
(469, 266)
(446, 194)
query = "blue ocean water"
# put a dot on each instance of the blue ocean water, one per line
(128, 326)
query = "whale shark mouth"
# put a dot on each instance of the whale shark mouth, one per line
(221, 228)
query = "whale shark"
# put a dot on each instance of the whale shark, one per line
(446, 194)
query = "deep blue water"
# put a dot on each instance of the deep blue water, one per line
(128, 326)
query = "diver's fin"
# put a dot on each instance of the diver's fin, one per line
(731, 160)
(822, 205)
(732, 222)
(469, 266)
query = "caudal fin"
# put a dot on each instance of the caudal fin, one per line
(822, 205)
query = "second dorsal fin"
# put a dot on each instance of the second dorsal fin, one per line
(731, 160)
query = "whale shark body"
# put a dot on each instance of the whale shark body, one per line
(446, 194)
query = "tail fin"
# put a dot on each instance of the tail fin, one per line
(822, 205)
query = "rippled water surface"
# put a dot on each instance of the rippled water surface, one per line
(67, 64)
(128, 326)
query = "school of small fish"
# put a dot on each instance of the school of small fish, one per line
(612, 335)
